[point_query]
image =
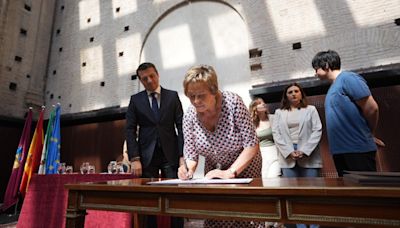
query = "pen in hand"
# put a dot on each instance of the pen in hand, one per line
(183, 172)
(188, 175)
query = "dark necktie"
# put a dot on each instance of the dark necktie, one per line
(154, 105)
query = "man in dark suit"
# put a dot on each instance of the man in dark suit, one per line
(154, 130)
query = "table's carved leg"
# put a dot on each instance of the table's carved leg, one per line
(75, 217)
(137, 220)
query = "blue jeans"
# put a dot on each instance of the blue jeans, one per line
(298, 171)
(305, 226)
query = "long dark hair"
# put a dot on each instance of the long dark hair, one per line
(285, 103)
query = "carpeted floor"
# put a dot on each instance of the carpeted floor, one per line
(8, 220)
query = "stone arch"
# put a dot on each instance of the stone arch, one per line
(209, 32)
(173, 8)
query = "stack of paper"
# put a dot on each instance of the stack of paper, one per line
(203, 181)
(373, 178)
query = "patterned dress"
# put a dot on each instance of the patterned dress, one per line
(234, 131)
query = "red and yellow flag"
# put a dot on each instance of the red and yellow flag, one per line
(34, 155)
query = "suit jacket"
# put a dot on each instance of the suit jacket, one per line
(143, 129)
(309, 137)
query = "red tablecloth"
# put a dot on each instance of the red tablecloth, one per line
(46, 201)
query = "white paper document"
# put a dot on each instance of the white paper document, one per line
(203, 181)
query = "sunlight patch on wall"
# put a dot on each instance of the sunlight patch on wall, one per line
(386, 61)
(289, 21)
(302, 73)
(227, 38)
(127, 45)
(123, 7)
(367, 13)
(159, 1)
(124, 102)
(184, 100)
(93, 69)
(176, 46)
(97, 106)
(89, 14)
(240, 88)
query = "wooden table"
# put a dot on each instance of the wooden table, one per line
(324, 201)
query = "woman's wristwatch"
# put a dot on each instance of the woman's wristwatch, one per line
(135, 159)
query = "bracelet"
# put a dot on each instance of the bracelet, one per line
(135, 159)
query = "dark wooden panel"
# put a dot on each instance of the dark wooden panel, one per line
(326, 201)
(388, 129)
(343, 210)
(97, 143)
(147, 203)
(101, 142)
(388, 99)
(243, 206)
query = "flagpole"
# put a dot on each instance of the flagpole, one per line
(18, 197)
(11, 194)
(43, 160)
(16, 207)
(53, 151)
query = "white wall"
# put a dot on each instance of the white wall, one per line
(176, 34)
(214, 34)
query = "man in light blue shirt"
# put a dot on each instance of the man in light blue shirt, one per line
(351, 115)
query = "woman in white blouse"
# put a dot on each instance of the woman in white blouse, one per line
(297, 131)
